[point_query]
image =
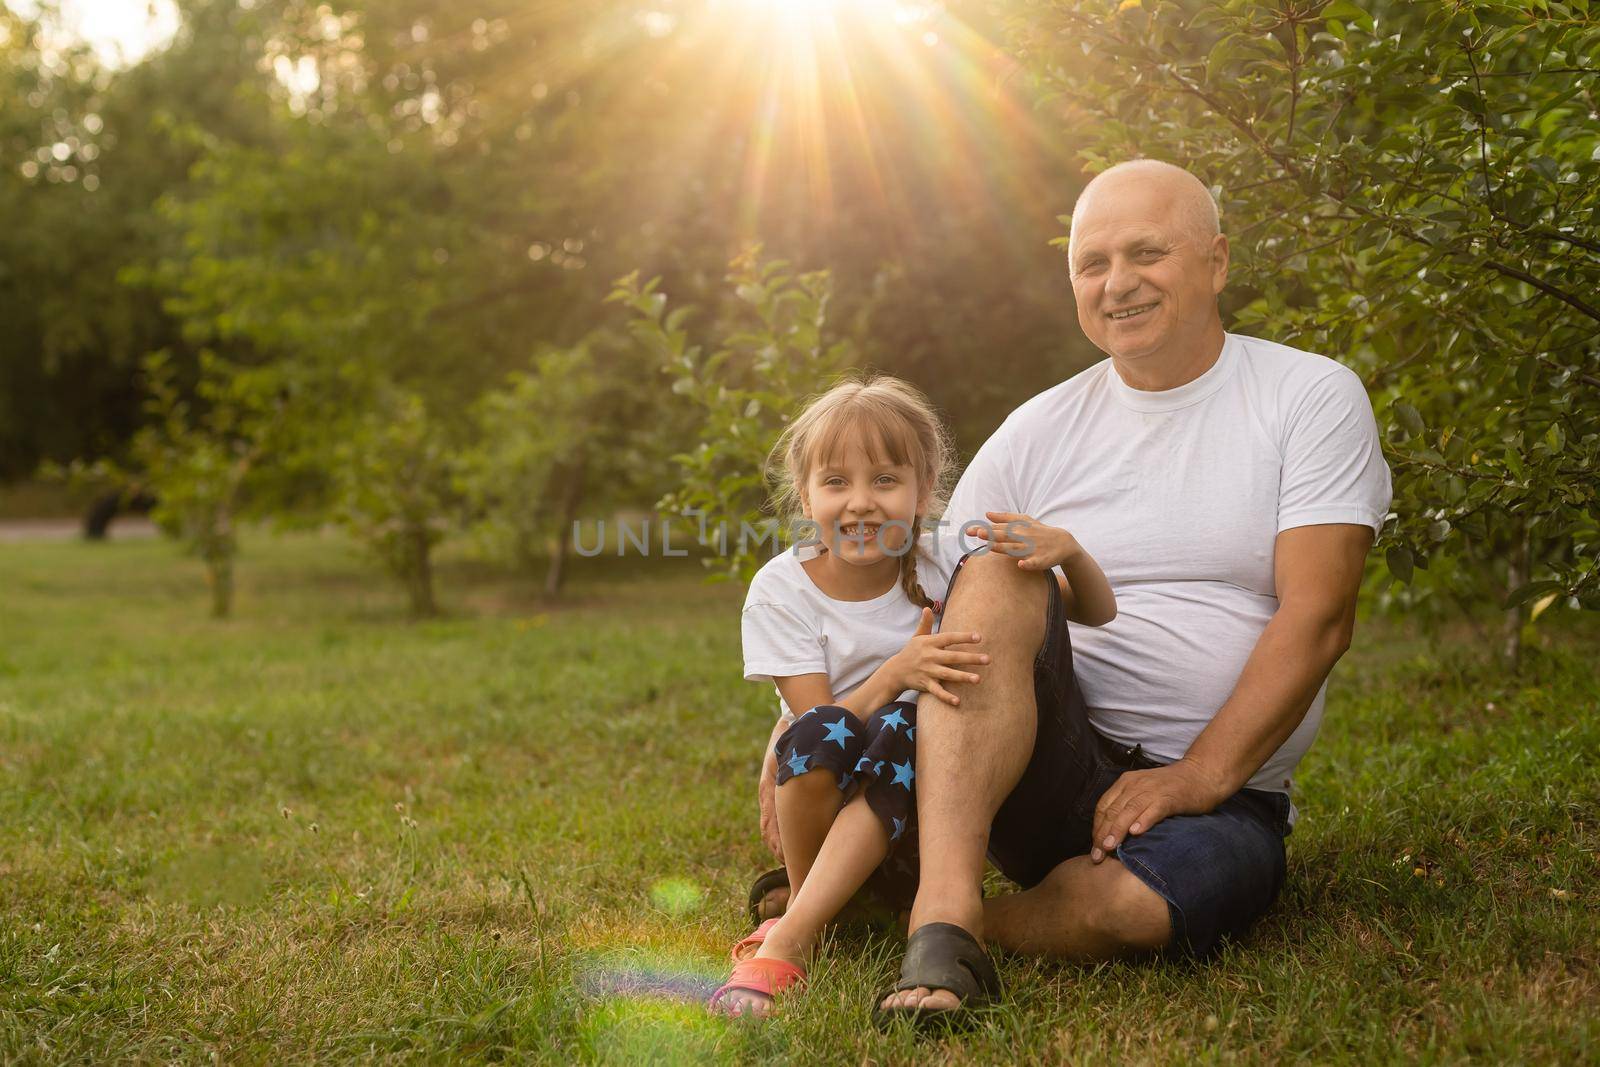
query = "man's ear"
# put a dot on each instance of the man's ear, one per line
(1220, 258)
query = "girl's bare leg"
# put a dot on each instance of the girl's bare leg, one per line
(856, 844)
(807, 805)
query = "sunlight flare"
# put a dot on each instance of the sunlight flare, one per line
(823, 88)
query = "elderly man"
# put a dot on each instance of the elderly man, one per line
(1135, 778)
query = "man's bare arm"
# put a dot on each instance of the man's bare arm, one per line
(1317, 570)
(1318, 574)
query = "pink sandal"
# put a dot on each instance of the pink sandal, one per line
(757, 975)
(755, 937)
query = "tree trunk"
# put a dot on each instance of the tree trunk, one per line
(554, 572)
(1511, 627)
(217, 548)
(419, 574)
(566, 513)
(219, 575)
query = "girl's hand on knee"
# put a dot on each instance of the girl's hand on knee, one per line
(928, 661)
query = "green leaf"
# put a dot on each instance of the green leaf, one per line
(1531, 591)
(1346, 11)
(1400, 562)
(1409, 418)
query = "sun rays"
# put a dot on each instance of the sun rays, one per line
(839, 111)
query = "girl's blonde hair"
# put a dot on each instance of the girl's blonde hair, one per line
(894, 422)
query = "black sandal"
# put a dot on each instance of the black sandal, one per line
(943, 956)
(773, 879)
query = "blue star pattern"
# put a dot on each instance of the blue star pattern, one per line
(839, 733)
(866, 759)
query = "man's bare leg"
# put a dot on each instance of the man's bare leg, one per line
(1083, 911)
(970, 757)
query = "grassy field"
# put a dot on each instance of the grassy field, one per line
(523, 832)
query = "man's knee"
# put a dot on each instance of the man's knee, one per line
(991, 567)
(1128, 912)
(994, 578)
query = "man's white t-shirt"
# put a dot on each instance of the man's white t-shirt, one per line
(792, 627)
(1178, 495)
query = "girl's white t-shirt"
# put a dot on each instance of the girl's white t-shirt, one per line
(792, 627)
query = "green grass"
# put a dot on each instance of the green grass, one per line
(321, 832)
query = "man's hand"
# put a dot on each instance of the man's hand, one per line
(1036, 546)
(766, 797)
(1140, 799)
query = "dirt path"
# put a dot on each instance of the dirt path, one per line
(15, 530)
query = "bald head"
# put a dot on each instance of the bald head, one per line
(1192, 208)
(1147, 260)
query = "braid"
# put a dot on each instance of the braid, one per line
(908, 571)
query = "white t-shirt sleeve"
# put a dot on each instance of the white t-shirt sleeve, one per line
(988, 484)
(1333, 468)
(779, 643)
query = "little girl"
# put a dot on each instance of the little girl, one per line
(843, 629)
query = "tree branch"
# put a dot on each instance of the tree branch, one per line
(1536, 73)
(1408, 460)
(1483, 126)
(1545, 287)
(1289, 167)
(1587, 379)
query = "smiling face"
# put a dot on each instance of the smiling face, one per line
(851, 493)
(1146, 271)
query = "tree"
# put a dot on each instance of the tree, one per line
(90, 150)
(313, 264)
(395, 482)
(581, 427)
(743, 387)
(543, 149)
(1413, 189)
(201, 457)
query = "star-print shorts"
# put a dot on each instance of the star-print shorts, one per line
(877, 757)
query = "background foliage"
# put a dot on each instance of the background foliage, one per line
(1411, 187)
(781, 351)
(349, 260)
(351, 202)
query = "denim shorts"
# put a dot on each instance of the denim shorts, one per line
(1217, 872)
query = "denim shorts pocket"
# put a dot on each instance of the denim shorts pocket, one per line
(1095, 784)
